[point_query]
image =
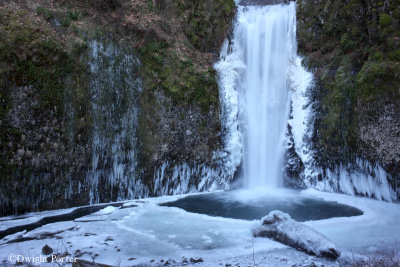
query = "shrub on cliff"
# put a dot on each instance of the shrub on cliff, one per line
(208, 22)
(378, 78)
(385, 20)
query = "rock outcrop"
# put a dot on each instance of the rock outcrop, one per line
(353, 49)
(96, 96)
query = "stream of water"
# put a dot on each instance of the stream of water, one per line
(262, 50)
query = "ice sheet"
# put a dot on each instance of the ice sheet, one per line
(378, 226)
(145, 232)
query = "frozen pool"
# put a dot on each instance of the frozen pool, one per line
(242, 204)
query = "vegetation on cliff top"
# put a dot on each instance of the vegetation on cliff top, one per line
(208, 23)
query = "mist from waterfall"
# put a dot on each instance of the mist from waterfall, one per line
(263, 47)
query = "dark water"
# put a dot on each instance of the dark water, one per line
(298, 207)
(75, 214)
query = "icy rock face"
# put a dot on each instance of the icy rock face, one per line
(114, 86)
(191, 152)
(349, 128)
(172, 179)
(280, 227)
(304, 164)
(360, 178)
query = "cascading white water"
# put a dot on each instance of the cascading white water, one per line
(256, 70)
(264, 46)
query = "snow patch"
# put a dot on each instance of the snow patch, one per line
(106, 211)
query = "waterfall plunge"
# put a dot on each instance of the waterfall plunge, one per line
(256, 71)
(265, 45)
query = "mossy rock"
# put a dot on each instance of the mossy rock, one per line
(354, 54)
(347, 43)
(378, 78)
(162, 69)
(46, 13)
(385, 20)
(208, 23)
(33, 57)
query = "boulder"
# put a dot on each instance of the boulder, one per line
(280, 227)
(196, 260)
(46, 250)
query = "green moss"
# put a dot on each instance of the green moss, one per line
(42, 11)
(178, 78)
(377, 56)
(355, 59)
(208, 22)
(228, 8)
(43, 64)
(149, 4)
(377, 79)
(72, 15)
(395, 55)
(385, 20)
(35, 58)
(32, 54)
(66, 22)
(347, 43)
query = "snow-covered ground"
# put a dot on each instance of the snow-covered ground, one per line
(379, 225)
(144, 232)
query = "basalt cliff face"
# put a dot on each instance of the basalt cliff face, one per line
(353, 49)
(108, 99)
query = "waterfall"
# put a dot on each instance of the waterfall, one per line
(266, 97)
(260, 56)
